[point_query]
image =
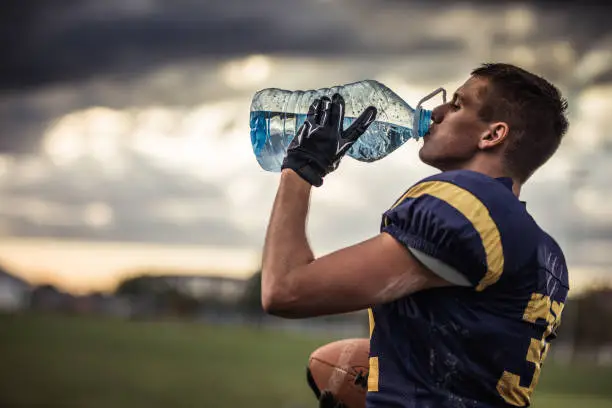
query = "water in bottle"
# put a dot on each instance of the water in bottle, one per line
(277, 114)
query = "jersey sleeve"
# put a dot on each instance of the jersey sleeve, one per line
(450, 230)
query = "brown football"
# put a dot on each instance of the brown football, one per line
(342, 368)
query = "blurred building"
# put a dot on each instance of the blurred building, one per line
(14, 293)
(218, 288)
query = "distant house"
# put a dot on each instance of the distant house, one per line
(14, 293)
(101, 304)
(180, 294)
(204, 287)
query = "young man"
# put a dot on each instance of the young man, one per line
(464, 290)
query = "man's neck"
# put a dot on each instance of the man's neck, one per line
(493, 170)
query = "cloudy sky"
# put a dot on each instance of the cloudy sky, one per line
(125, 140)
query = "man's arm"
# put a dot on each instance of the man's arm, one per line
(296, 285)
(286, 246)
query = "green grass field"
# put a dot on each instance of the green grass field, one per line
(51, 361)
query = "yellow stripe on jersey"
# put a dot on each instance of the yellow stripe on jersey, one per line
(473, 210)
(373, 361)
(373, 374)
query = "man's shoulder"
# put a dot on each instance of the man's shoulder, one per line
(467, 220)
(470, 189)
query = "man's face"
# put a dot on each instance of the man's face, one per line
(456, 130)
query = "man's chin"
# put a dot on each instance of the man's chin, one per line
(423, 156)
(428, 159)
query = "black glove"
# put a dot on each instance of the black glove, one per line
(326, 398)
(320, 142)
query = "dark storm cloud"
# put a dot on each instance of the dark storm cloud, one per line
(21, 128)
(65, 40)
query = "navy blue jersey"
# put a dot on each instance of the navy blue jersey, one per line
(481, 345)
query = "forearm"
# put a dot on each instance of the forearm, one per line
(288, 276)
(286, 246)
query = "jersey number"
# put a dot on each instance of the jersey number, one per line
(539, 307)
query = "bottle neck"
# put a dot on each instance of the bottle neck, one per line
(421, 122)
(424, 121)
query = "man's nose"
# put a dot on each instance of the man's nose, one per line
(437, 115)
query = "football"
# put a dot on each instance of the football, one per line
(342, 368)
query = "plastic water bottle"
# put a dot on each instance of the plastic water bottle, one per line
(277, 114)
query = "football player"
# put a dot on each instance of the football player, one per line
(464, 290)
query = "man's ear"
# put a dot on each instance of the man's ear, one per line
(494, 135)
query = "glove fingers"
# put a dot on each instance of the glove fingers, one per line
(324, 111)
(328, 400)
(301, 133)
(337, 112)
(312, 384)
(360, 125)
(312, 115)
